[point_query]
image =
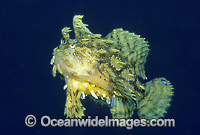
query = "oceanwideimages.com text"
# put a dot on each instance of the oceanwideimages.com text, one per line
(46, 121)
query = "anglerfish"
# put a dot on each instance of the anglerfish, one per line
(108, 69)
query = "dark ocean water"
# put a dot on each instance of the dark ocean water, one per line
(30, 30)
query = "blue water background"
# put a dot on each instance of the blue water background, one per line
(30, 30)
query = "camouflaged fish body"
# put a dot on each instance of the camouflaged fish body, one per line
(107, 69)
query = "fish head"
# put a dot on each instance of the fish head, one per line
(75, 61)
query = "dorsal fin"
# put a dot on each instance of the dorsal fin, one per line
(80, 29)
(132, 49)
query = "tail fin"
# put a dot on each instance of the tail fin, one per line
(156, 100)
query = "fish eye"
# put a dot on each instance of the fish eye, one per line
(72, 46)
